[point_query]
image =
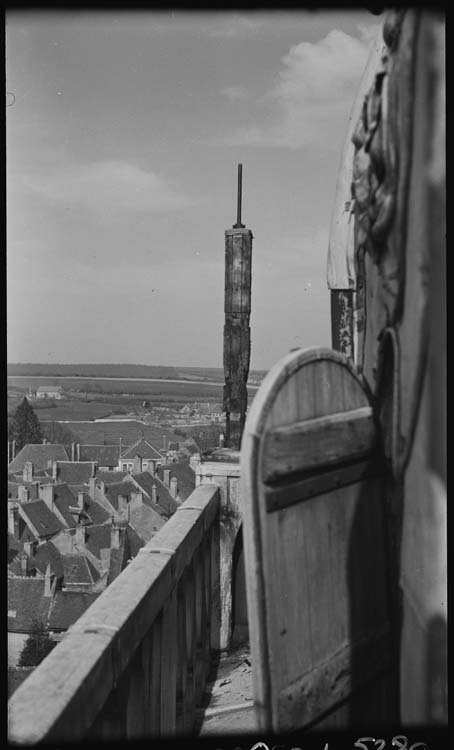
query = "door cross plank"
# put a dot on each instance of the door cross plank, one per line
(289, 493)
(319, 443)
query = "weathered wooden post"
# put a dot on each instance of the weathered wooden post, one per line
(237, 334)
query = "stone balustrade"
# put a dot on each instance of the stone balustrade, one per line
(223, 470)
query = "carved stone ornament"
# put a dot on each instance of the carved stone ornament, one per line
(374, 184)
(385, 246)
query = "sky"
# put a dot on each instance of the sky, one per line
(124, 131)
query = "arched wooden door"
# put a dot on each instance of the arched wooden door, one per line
(315, 548)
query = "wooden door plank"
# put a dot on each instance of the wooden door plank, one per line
(320, 442)
(291, 492)
(332, 681)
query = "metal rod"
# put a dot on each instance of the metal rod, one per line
(240, 190)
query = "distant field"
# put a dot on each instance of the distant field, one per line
(74, 410)
(111, 432)
(159, 391)
(124, 371)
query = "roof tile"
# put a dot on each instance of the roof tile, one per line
(41, 518)
(27, 601)
(163, 497)
(103, 455)
(67, 607)
(39, 454)
(75, 472)
(185, 476)
(142, 448)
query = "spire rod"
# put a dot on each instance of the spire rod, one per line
(238, 224)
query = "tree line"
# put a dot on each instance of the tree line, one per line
(26, 428)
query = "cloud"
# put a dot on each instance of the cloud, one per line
(305, 256)
(369, 32)
(111, 187)
(312, 96)
(234, 93)
(229, 27)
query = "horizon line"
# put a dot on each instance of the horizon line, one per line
(121, 364)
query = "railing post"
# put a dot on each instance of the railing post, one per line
(169, 654)
(224, 470)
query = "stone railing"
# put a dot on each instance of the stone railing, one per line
(135, 664)
(223, 470)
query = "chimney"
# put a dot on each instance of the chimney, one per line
(80, 500)
(102, 486)
(27, 474)
(221, 440)
(194, 461)
(30, 548)
(47, 494)
(80, 535)
(13, 450)
(78, 452)
(167, 477)
(24, 563)
(137, 468)
(54, 471)
(123, 506)
(23, 494)
(44, 441)
(93, 468)
(73, 446)
(114, 536)
(105, 558)
(136, 500)
(35, 491)
(48, 582)
(92, 487)
(154, 495)
(164, 442)
(13, 520)
(174, 487)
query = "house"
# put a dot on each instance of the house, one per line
(29, 601)
(37, 522)
(184, 475)
(49, 391)
(106, 457)
(87, 510)
(145, 522)
(21, 491)
(38, 600)
(124, 502)
(156, 493)
(105, 548)
(172, 453)
(40, 455)
(73, 472)
(67, 607)
(140, 457)
(189, 447)
(109, 476)
(207, 409)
